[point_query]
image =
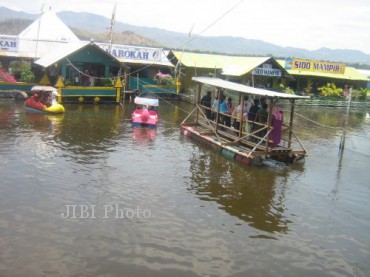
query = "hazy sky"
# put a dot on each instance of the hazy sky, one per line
(309, 24)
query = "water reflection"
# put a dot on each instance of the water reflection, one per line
(45, 123)
(207, 211)
(91, 132)
(251, 194)
(313, 122)
(144, 135)
(7, 113)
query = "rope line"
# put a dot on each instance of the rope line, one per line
(318, 123)
(215, 21)
(183, 46)
(178, 65)
(161, 98)
(83, 73)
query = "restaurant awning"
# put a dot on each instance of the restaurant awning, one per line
(230, 65)
(198, 60)
(68, 49)
(60, 52)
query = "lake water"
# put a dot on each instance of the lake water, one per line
(83, 194)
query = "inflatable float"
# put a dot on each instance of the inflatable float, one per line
(16, 94)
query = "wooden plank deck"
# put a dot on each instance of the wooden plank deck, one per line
(228, 136)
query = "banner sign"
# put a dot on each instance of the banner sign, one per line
(314, 66)
(133, 53)
(9, 43)
(266, 70)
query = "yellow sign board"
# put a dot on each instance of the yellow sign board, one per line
(315, 66)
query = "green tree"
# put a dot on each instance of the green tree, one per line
(286, 89)
(22, 71)
(308, 89)
(360, 94)
(330, 90)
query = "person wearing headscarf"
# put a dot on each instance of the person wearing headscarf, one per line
(276, 123)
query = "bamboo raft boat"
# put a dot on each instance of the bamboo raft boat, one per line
(240, 145)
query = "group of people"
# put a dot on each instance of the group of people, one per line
(88, 79)
(225, 107)
(253, 115)
(46, 98)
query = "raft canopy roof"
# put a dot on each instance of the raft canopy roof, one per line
(219, 83)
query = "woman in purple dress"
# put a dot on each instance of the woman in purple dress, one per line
(276, 123)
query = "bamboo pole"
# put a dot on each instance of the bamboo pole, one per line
(295, 136)
(269, 119)
(255, 147)
(210, 125)
(343, 138)
(241, 115)
(218, 108)
(197, 101)
(291, 122)
(186, 118)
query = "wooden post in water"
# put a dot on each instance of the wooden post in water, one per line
(291, 122)
(60, 85)
(178, 84)
(269, 118)
(197, 101)
(124, 88)
(118, 86)
(343, 138)
(241, 115)
(218, 108)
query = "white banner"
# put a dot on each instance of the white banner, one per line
(266, 72)
(9, 43)
(133, 53)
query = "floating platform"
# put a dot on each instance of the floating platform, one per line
(239, 145)
(243, 151)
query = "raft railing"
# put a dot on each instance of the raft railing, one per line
(242, 136)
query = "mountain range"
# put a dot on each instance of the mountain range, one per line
(156, 37)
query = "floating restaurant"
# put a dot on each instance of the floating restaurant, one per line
(83, 71)
(143, 63)
(88, 71)
(308, 75)
(262, 72)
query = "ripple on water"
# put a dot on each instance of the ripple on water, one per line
(208, 215)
